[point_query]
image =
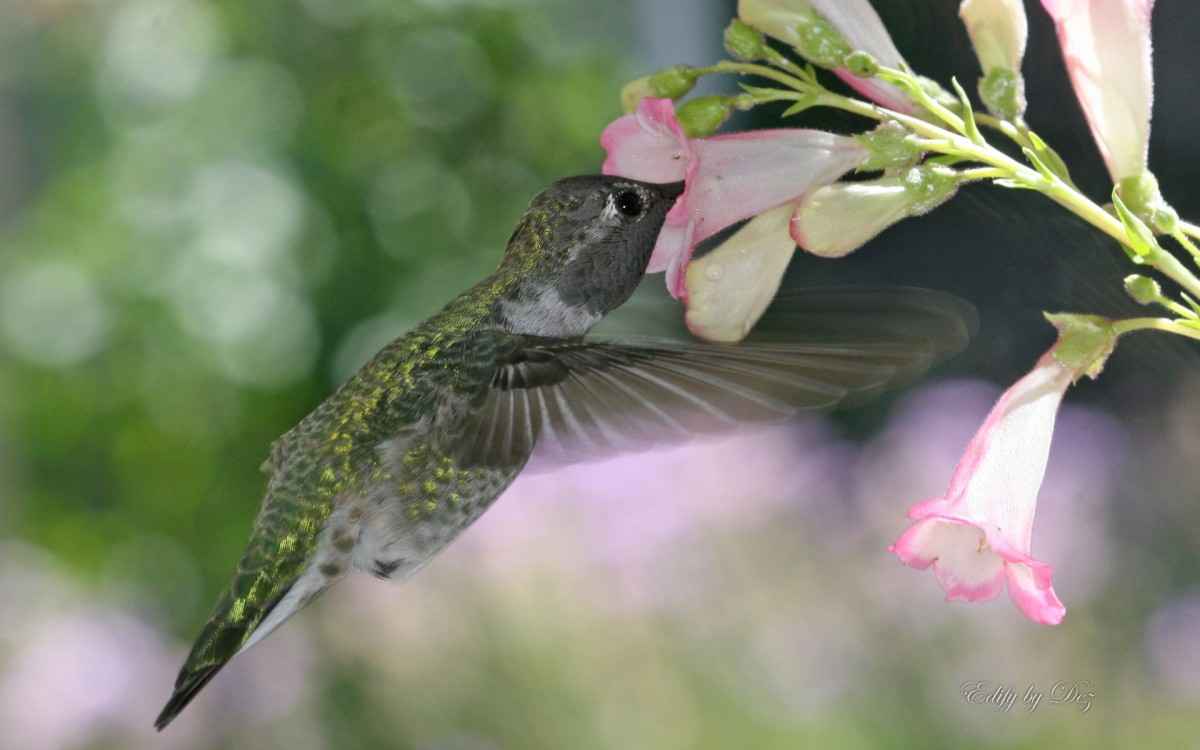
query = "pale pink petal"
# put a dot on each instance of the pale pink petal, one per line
(878, 91)
(730, 288)
(861, 26)
(964, 566)
(744, 174)
(998, 30)
(672, 243)
(1106, 46)
(647, 145)
(1006, 460)
(838, 219)
(1030, 588)
(980, 534)
(676, 271)
(855, 20)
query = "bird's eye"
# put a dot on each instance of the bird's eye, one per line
(629, 202)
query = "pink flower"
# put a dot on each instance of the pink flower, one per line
(978, 536)
(1106, 46)
(855, 20)
(728, 177)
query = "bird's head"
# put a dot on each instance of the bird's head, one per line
(580, 251)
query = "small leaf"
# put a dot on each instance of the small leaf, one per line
(968, 113)
(1138, 236)
(1049, 157)
(1013, 184)
(1038, 164)
(807, 100)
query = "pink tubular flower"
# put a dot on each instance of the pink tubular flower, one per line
(1106, 46)
(728, 177)
(978, 536)
(857, 23)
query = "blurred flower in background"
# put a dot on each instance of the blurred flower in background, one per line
(212, 212)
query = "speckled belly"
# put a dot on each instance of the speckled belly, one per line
(426, 501)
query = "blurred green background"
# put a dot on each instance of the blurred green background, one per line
(212, 212)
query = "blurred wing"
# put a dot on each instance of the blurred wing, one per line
(576, 400)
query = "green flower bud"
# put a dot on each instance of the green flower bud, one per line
(891, 147)
(1141, 195)
(1144, 290)
(800, 26)
(703, 115)
(862, 64)
(743, 42)
(939, 94)
(668, 83)
(1003, 93)
(929, 186)
(1084, 342)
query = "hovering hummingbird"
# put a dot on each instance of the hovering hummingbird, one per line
(418, 443)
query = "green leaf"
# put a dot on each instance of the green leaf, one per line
(807, 101)
(1049, 157)
(1138, 236)
(1038, 164)
(968, 113)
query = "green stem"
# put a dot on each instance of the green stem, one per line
(1014, 133)
(762, 71)
(1155, 324)
(1190, 229)
(780, 60)
(1188, 245)
(943, 141)
(905, 80)
(981, 173)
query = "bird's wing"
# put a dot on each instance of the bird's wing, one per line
(576, 400)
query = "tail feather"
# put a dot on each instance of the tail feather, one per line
(220, 640)
(189, 683)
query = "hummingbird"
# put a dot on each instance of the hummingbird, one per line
(418, 443)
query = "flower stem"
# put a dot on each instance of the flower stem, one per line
(1155, 324)
(981, 173)
(1190, 229)
(941, 140)
(1014, 133)
(762, 71)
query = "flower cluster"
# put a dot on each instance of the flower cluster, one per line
(788, 183)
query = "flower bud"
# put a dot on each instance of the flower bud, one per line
(1142, 196)
(731, 287)
(826, 32)
(998, 30)
(891, 147)
(1084, 342)
(797, 24)
(837, 219)
(703, 115)
(862, 64)
(668, 83)
(1003, 93)
(1106, 46)
(743, 42)
(1144, 290)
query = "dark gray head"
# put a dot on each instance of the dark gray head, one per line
(580, 251)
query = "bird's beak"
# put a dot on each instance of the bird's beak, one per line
(670, 190)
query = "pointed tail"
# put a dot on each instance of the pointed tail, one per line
(222, 637)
